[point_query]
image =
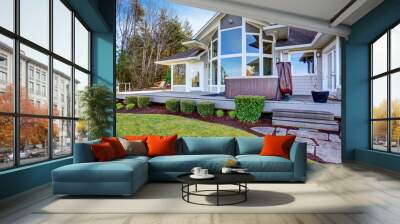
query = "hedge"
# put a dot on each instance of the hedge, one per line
(232, 114)
(205, 108)
(130, 106)
(249, 108)
(119, 106)
(130, 100)
(219, 113)
(172, 105)
(187, 106)
(143, 101)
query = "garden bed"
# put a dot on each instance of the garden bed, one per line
(225, 120)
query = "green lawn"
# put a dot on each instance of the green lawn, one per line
(161, 124)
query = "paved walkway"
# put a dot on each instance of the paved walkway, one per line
(323, 146)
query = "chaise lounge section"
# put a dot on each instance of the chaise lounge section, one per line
(125, 176)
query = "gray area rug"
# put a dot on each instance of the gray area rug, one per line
(166, 198)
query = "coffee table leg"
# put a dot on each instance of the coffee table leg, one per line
(195, 188)
(217, 194)
(245, 193)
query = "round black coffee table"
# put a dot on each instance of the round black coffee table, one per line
(238, 179)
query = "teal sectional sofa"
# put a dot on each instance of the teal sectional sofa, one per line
(125, 176)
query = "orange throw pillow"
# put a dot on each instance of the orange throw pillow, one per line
(116, 145)
(277, 145)
(103, 152)
(161, 145)
(136, 137)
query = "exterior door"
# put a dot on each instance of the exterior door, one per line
(196, 76)
(332, 74)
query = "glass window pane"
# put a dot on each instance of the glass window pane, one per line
(81, 82)
(379, 135)
(395, 47)
(62, 29)
(379, 98)
(179, 77)
(231, 67)
(6, 74)
(267, 69)
(252, 43)
(62, 89)
(267, 47)
(6, 142)
(252, 29)
(35, 21)
(7, 14)
(379, 56)
(215, 49)
(395, 95)
(81, 131)
(62, 138)
(33, 140)
(34, 72)
(231, 41)
(214, 73)
(252, 66)
(302, 63)
(395, 135)
(81, 45)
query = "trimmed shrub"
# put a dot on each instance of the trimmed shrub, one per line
(205, 108)
(249, 108)
(219, 113)
(187, 106)
(130, 106)
(143, 101)
(172, 105)
(232, 114)
(130, 100)
(119, 106)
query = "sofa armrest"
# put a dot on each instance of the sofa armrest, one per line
(83, 152)
(298, 155)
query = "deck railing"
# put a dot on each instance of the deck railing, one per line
(124, 87)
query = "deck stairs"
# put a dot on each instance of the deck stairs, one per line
(319, 120)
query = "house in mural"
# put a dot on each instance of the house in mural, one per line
(233, 47)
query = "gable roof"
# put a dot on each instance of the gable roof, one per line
(189, 54)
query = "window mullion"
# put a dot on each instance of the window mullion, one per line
(16, 84)
(389, 101)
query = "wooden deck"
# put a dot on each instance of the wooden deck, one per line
(295, 102)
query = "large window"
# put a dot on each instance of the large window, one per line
(179, 74)
(37, 66)
(231, 41)
(303, 62)
(231, 67)
(385, 96)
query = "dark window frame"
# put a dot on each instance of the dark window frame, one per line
(388, 74)
(16, 114)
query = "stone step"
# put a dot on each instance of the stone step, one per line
(304, 114)
(326, 125)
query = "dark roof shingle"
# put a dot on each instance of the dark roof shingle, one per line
(185, 54)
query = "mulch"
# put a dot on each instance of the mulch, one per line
(265, 120)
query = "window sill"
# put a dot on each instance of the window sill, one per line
(29, 166)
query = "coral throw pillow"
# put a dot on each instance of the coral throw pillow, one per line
(116, 145)
(136, 138)
(277, 145)
(161, 145)
(103, 152)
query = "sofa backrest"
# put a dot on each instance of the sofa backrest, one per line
(249, 145)
(83, 152)
(206, 145)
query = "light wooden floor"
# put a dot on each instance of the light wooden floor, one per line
(379, 189)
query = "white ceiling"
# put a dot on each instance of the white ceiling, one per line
(317, 15)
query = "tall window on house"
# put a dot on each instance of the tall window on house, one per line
(385, 95)
(37, 126)
(179, 74)
(303, 62)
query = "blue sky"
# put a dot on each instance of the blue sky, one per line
(195, 16)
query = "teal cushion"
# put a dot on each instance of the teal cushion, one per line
(112, 171)
(206, 145)
(249, 145)
(257, 163)
(83, 152)
(185, 163)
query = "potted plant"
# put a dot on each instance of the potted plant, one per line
(97, 103)
(317, 94)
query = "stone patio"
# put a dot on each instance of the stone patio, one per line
(324, 146)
